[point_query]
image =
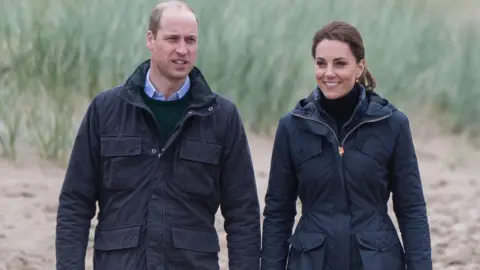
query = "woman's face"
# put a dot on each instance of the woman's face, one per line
(336, 68)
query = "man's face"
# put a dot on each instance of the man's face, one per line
(174, 47)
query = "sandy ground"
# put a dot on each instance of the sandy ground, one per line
(450, 170)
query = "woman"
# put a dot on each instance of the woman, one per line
(342, 151)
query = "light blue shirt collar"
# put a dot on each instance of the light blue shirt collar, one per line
(153, 93)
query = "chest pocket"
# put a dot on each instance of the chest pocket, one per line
(308, 151)
(376, 150)
(375, 142)
(120, 154)
(199, 167)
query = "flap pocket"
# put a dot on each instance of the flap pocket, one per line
(206, 152)
(378, 240)
(120, 145)
(306, 241)
(195, 240)
(115, 239)
(308, 150)
(375, 149)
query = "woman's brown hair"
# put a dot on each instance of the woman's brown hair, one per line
(342, 31)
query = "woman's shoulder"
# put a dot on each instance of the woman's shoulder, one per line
(398, 116)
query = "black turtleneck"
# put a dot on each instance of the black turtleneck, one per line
(341, 109)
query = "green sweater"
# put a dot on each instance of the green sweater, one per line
(167, 113)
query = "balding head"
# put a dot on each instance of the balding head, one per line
(158, 10)
(172, 39)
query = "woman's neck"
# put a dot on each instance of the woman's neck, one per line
(341, 109)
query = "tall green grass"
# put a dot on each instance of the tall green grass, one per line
(56, 55)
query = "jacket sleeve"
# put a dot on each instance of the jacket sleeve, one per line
(239, 198)
(78, 196)
(409, 202)
(280, 204)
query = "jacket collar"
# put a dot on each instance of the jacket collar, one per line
(202, 95)
(370, 106)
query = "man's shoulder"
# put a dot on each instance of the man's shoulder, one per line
(226, 105)
(107, 97)
(104, 102)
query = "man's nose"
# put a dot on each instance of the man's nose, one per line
(182, 48)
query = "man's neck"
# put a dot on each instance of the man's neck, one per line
(163, 85)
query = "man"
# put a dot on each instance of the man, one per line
(159, 154)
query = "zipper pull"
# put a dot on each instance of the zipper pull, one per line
(341, 150)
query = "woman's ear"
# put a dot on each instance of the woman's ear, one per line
(361, 68)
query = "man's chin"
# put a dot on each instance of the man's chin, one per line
(180, 74)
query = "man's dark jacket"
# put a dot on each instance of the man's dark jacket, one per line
(157, 201)
(344, 223)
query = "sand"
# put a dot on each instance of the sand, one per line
(449, 167)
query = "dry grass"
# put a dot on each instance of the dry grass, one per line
(59, 54)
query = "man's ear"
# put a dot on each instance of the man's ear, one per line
(150, 40)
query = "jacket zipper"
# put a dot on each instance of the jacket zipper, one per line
(174, 134)
(168, 142)
(190, 112)
(341, 149)
(178, 128)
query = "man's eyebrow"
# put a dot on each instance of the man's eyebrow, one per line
(177, 35)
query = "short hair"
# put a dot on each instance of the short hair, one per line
(157, 12)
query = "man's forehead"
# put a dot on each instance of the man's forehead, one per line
(177, 26)
(167, 32)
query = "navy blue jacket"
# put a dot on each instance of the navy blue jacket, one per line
(157, 202)
(344, 181)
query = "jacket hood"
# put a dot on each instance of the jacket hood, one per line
(370, 104)
(378, 100)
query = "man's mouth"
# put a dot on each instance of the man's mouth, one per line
(180, 62)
